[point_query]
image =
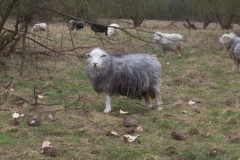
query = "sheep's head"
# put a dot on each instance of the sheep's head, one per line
(96, 58)
(157, 36)
(227, 38)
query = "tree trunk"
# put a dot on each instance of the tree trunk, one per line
(6, 14)
(23, 54)
(206, 23)
(15, 38)
(190, 25)
(137, 21)
(226, 21)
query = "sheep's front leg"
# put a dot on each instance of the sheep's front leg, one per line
(147, 102)
(159, 97)
(108, 104)
(163, 52)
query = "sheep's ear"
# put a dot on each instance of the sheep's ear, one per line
(104, 55)
(88, 55)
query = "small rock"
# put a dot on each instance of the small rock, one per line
(112, 134)
(191, 102)
(46, 144)
(14, 121)
(178, 136)
(15, 115)
(123, 112)
(40, 96)
(139, 129)
(129, 138)
(34, 120)
(51, 117)
(129, 122)
(50, 151)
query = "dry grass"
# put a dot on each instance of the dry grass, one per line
(203, 74)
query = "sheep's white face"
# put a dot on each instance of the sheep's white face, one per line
(33, 29)
(156, 37)
(225, 39)
(96, 58)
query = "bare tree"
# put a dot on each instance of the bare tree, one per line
(136, 10)
(226, 12)
(5, 11)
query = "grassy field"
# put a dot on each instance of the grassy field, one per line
(78, 130)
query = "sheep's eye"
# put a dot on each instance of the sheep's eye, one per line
(88, 56)
(104, 55)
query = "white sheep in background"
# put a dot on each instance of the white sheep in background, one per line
(112, 30)
(132, 75)
(169, 42)
(39, 27)
(232, 43)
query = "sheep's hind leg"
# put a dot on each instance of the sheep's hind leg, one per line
(179, 50)
(235, 65)
(147, 102)
(108, 104)
(238, 66)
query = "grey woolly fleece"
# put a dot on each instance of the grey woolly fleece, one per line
(133, 75)
(233, 43)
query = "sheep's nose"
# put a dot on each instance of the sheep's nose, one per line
(95, 64)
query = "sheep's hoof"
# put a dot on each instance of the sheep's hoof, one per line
(159, 108)
(150, 107)
(107, 110)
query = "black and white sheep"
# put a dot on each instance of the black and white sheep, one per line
(232, 43)
(112, 30)
(76, 24)
(133, 75)
(39, 27)
(169, 42)
(99, 28)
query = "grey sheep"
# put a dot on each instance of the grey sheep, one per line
(39, 27)
(133, 75)
(169, 42)
(232, 44)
